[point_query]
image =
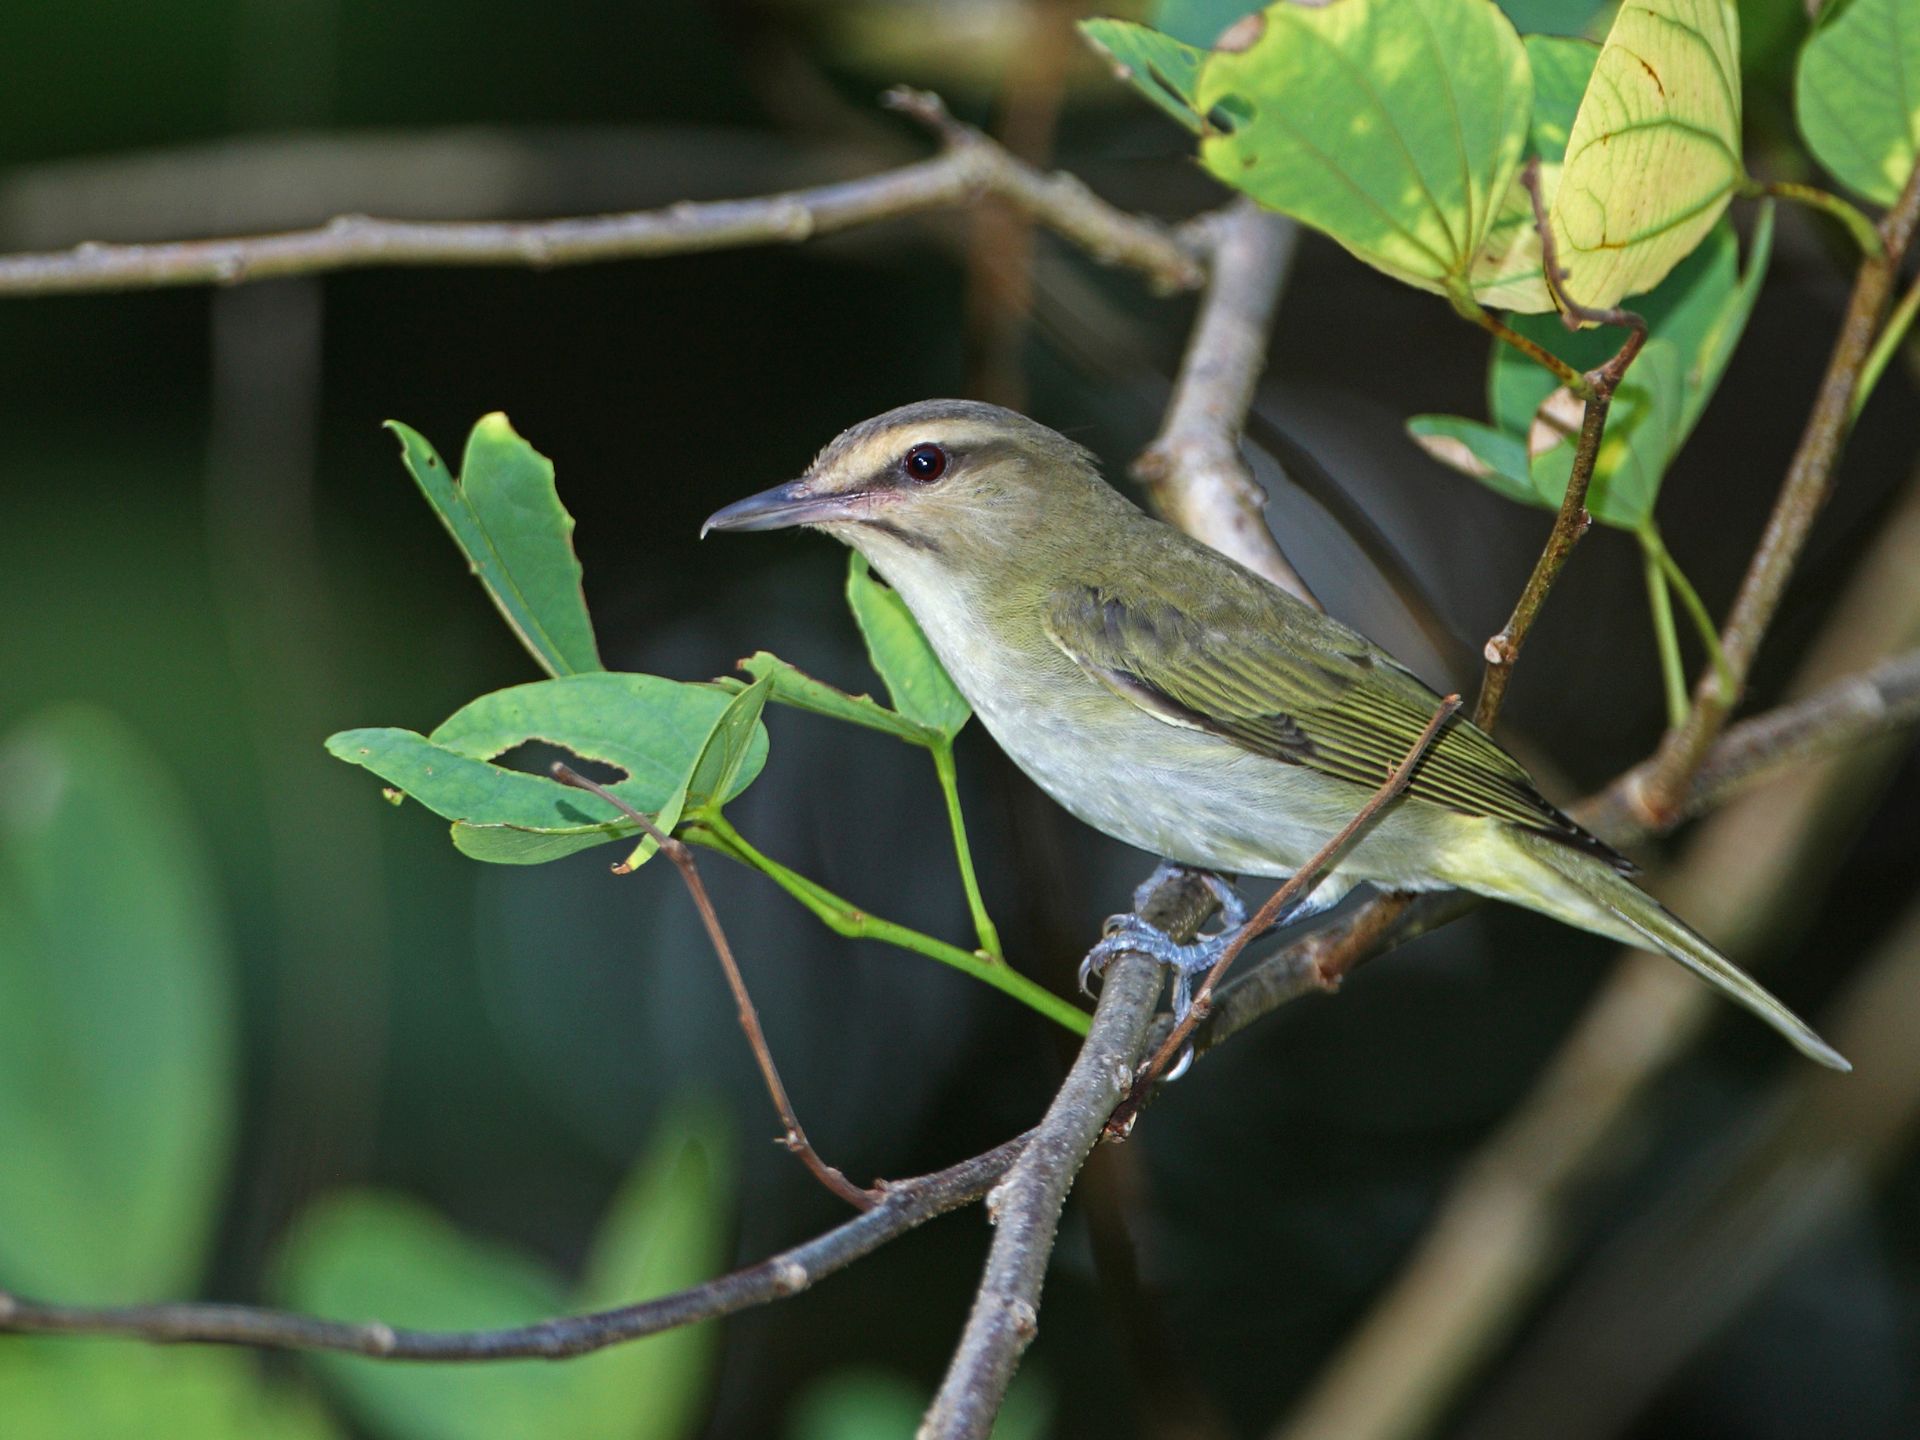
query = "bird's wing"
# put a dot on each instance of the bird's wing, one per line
(1295, 687)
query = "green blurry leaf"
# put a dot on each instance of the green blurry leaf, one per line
(710, 780)
(1641, 438)
(794, 687)
(1857, 94)
(1654, 154)
(1198, 22)
(859, 1403)
(915, 678)
(669, 1227)
(73, 1389)
(653, 729)
(373, 1256)
(116, 1044)
(1551, 17)
(1506, 273)
(1497, 459)
(504, 513)
(1395, 126)
(1160, 68)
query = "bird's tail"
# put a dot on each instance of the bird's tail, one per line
(1596, 897)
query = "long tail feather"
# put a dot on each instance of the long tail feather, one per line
(1639, 918)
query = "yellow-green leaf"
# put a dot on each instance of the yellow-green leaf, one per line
(1394, 126)
(1654, 155)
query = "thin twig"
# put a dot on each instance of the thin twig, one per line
(904, 1204)
(1503, 649)
(795, 1139)
(1025, 1207)
(1194, 469)
(1659, 790)
(1297, 887)
(969, 165)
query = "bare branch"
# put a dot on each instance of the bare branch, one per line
(1659, 791)
(968, 166)
(906, 1204)
(1194, 470)
(1503, 650)
(795, 1139)
(1025, 1207)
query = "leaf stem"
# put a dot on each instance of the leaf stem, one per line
(713, 830)
(962, 852)
(1696, 609)
(1858, 225)
(1673, 674)
(1891, 334)
(1469, 308)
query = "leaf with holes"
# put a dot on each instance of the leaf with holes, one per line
(504, 513)
(915, 678)
(1856, 94)
(1394, 126)
(653, 729)
(1654, 153)
(1158, 66)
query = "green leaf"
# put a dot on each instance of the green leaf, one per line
(1159, 67)
(1654, 154)
(1641, 438)
(709, 781)
(1506, 273)
(1708, 360)
(89, 1389)
(116, 1025)
(653, 729)
(669, 1228)
(504, 513)
(860, 1403)
(792, 686)
(369, 1255)
(1497, 459)
(1394, 126)
(915, 678)
(1856, 94)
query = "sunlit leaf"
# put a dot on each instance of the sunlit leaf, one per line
(1857, 94)
(1395, 126)
(652, 729)
(1158, 66)
(116, 1040)
(1496, 458)
(503, 512)
(1654, 154)
(915, 679)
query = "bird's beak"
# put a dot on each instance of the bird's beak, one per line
(795, 503)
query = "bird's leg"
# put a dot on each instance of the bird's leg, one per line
(1131, 933)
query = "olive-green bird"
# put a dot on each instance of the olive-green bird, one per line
(1177, 701)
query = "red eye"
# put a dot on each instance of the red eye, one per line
(925, 463)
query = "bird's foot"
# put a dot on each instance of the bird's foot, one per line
(1131, 933)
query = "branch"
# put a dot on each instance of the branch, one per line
(905, 1205)
(795, 1140)
(1025, 1207)
(1194, 469)
(1659, 791)
(1503, 650)
(969, 165)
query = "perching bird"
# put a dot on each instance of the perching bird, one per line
(1175, 700)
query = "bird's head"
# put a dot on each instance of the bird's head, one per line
(951, 486)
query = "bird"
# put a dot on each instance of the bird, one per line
(1170, 697)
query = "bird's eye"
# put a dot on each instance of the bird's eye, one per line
(925, 463)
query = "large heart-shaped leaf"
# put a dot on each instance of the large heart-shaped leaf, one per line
(655, 730)
(1654, 154)
(116, 1041)
(1394, 126)
(915, 678)
(504, 513)
(1857, 94)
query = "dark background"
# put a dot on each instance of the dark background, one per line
(203, 528)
